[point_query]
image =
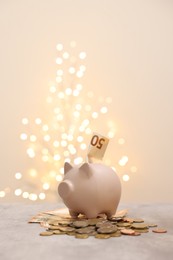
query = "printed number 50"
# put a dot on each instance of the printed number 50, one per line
(95, 141)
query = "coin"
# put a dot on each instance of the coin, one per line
(86, 230)
(139, 225)
(93, 221)
(159, 230)
(46, 233)
(138, 220)
(116, 234)
(80, 223)
(145, 230)
(136, 234)
(66, 229)
(123, 224)
(53, 228)
(58, 232)
(127, 231)
(100, 223)
(128, 220)
(83, 236)
(107, 230)
(102, 236)
(152, 225)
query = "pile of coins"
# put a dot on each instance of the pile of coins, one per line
(100, 227)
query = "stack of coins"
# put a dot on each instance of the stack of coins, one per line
(100, 227)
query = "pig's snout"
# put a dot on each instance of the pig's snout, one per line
(65, 188)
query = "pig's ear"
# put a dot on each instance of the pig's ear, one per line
(67, 167)
(85, 169)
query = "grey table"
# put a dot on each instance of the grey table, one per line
(19, 240)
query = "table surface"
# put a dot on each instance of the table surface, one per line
(20, 240)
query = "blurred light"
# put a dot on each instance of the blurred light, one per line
(111, 134)
(45, 158)
(75, 93)
(2, 194)
(80, 138)
(52, 173)
(78, 106)
(23, 136)
(70, 137)
(18, 175)
(76, 113)
(61, 170)
(82, 55)
(123, 161)
(66, 153)
(55, 143)
(126, 177)
(64, 136)
(52, 89)
(133, 169)
(59, 117)
(58, 79)
(33, 196)
(79, 87)
(59, 178)
(59, 61)
(45, 128)
(32, 172)
(46, 138)
(59, 47)
(113, 168)
(68, 91)
(63, 143)
(83, 146)
(72, 70)
(65, 55)
(30, 152)
(33, 138)
(104, 110)
(25, 121)
(25, 195)
(42, 196)
(61, 95)
(79, 74)
(121, 141)
(59, 72)
(94, 115)
(78, 160)
(88, 131)
(82, 68)
(45, 151)
(18, 192)
(38, 121)
(46, 186)
(57, 157)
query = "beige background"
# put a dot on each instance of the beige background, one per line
(130, 57)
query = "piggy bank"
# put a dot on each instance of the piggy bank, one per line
(90, 189)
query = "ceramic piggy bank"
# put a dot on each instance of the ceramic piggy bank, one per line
(90, 189)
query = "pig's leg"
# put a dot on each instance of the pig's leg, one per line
(73, 213)
(110, 213)
(92, 214)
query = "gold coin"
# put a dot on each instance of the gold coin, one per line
(53, 228)
(100, 223)
(128, 220)
(83, 236)
(80, 223)
(152, 225)
(116, 234)
(86, 230)
(139, 225)
(66, 229)
(58, 232)
(138, 220)
(107, 230)
(159, 230)
(93, 221)
(102, 236)
(145, 230)
(136, 234)
(46, 233)
(123, 224)
(127, 231)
